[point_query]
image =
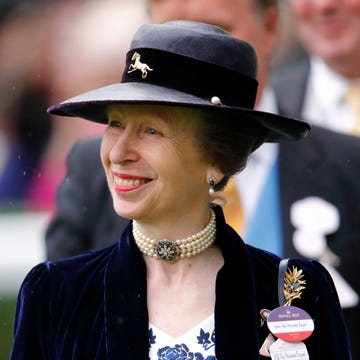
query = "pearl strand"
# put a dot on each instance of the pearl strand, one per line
(168, 250)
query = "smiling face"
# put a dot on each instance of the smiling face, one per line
(153, 164)
(331, 30)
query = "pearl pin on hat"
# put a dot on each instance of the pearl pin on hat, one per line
(191, 64)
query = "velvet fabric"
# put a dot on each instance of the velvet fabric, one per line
(93, 306)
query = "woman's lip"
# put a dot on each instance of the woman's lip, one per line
(125, 182)
(126, 176)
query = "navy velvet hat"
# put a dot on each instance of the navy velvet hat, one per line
(186, 63)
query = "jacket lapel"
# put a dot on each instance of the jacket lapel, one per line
(309, 161)
(235, 309)
(290, 98)
(236, 315)
(125, 302)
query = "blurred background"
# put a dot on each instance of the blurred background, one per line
(51, 50)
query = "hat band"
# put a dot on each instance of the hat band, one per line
(191, 76)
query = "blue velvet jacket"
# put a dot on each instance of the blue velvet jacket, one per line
(93, 306)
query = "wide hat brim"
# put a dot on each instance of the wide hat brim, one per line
(93, 106)
(191, 64)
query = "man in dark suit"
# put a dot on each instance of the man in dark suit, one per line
(318, 87)
(317, 173)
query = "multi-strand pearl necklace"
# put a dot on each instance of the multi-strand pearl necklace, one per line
(168, 250)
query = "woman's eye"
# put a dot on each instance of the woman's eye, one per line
(114, 124)
(152, 131)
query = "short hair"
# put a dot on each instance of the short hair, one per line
(227, 142)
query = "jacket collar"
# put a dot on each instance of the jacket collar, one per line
(235, 309)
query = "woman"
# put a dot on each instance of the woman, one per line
(179, 283)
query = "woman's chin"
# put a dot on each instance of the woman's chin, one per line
(125, 210)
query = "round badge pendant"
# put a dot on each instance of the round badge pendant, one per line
(290, 323)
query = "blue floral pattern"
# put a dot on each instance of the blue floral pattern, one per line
(181, 351)
(205, 340)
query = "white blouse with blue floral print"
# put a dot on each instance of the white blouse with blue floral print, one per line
(196, 344)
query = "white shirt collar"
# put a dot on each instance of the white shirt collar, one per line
(328, 86)
(324, 103)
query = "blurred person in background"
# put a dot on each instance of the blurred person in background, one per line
(325, 87)
(24, 127)
(38, 41)
(79, 44)
(283, 197)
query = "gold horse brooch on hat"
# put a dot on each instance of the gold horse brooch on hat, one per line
(138, 65)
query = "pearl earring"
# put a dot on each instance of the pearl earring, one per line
(212, 183)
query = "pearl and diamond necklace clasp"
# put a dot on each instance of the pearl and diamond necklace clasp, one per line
(170, 251)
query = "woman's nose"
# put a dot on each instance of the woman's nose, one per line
(124, 148)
